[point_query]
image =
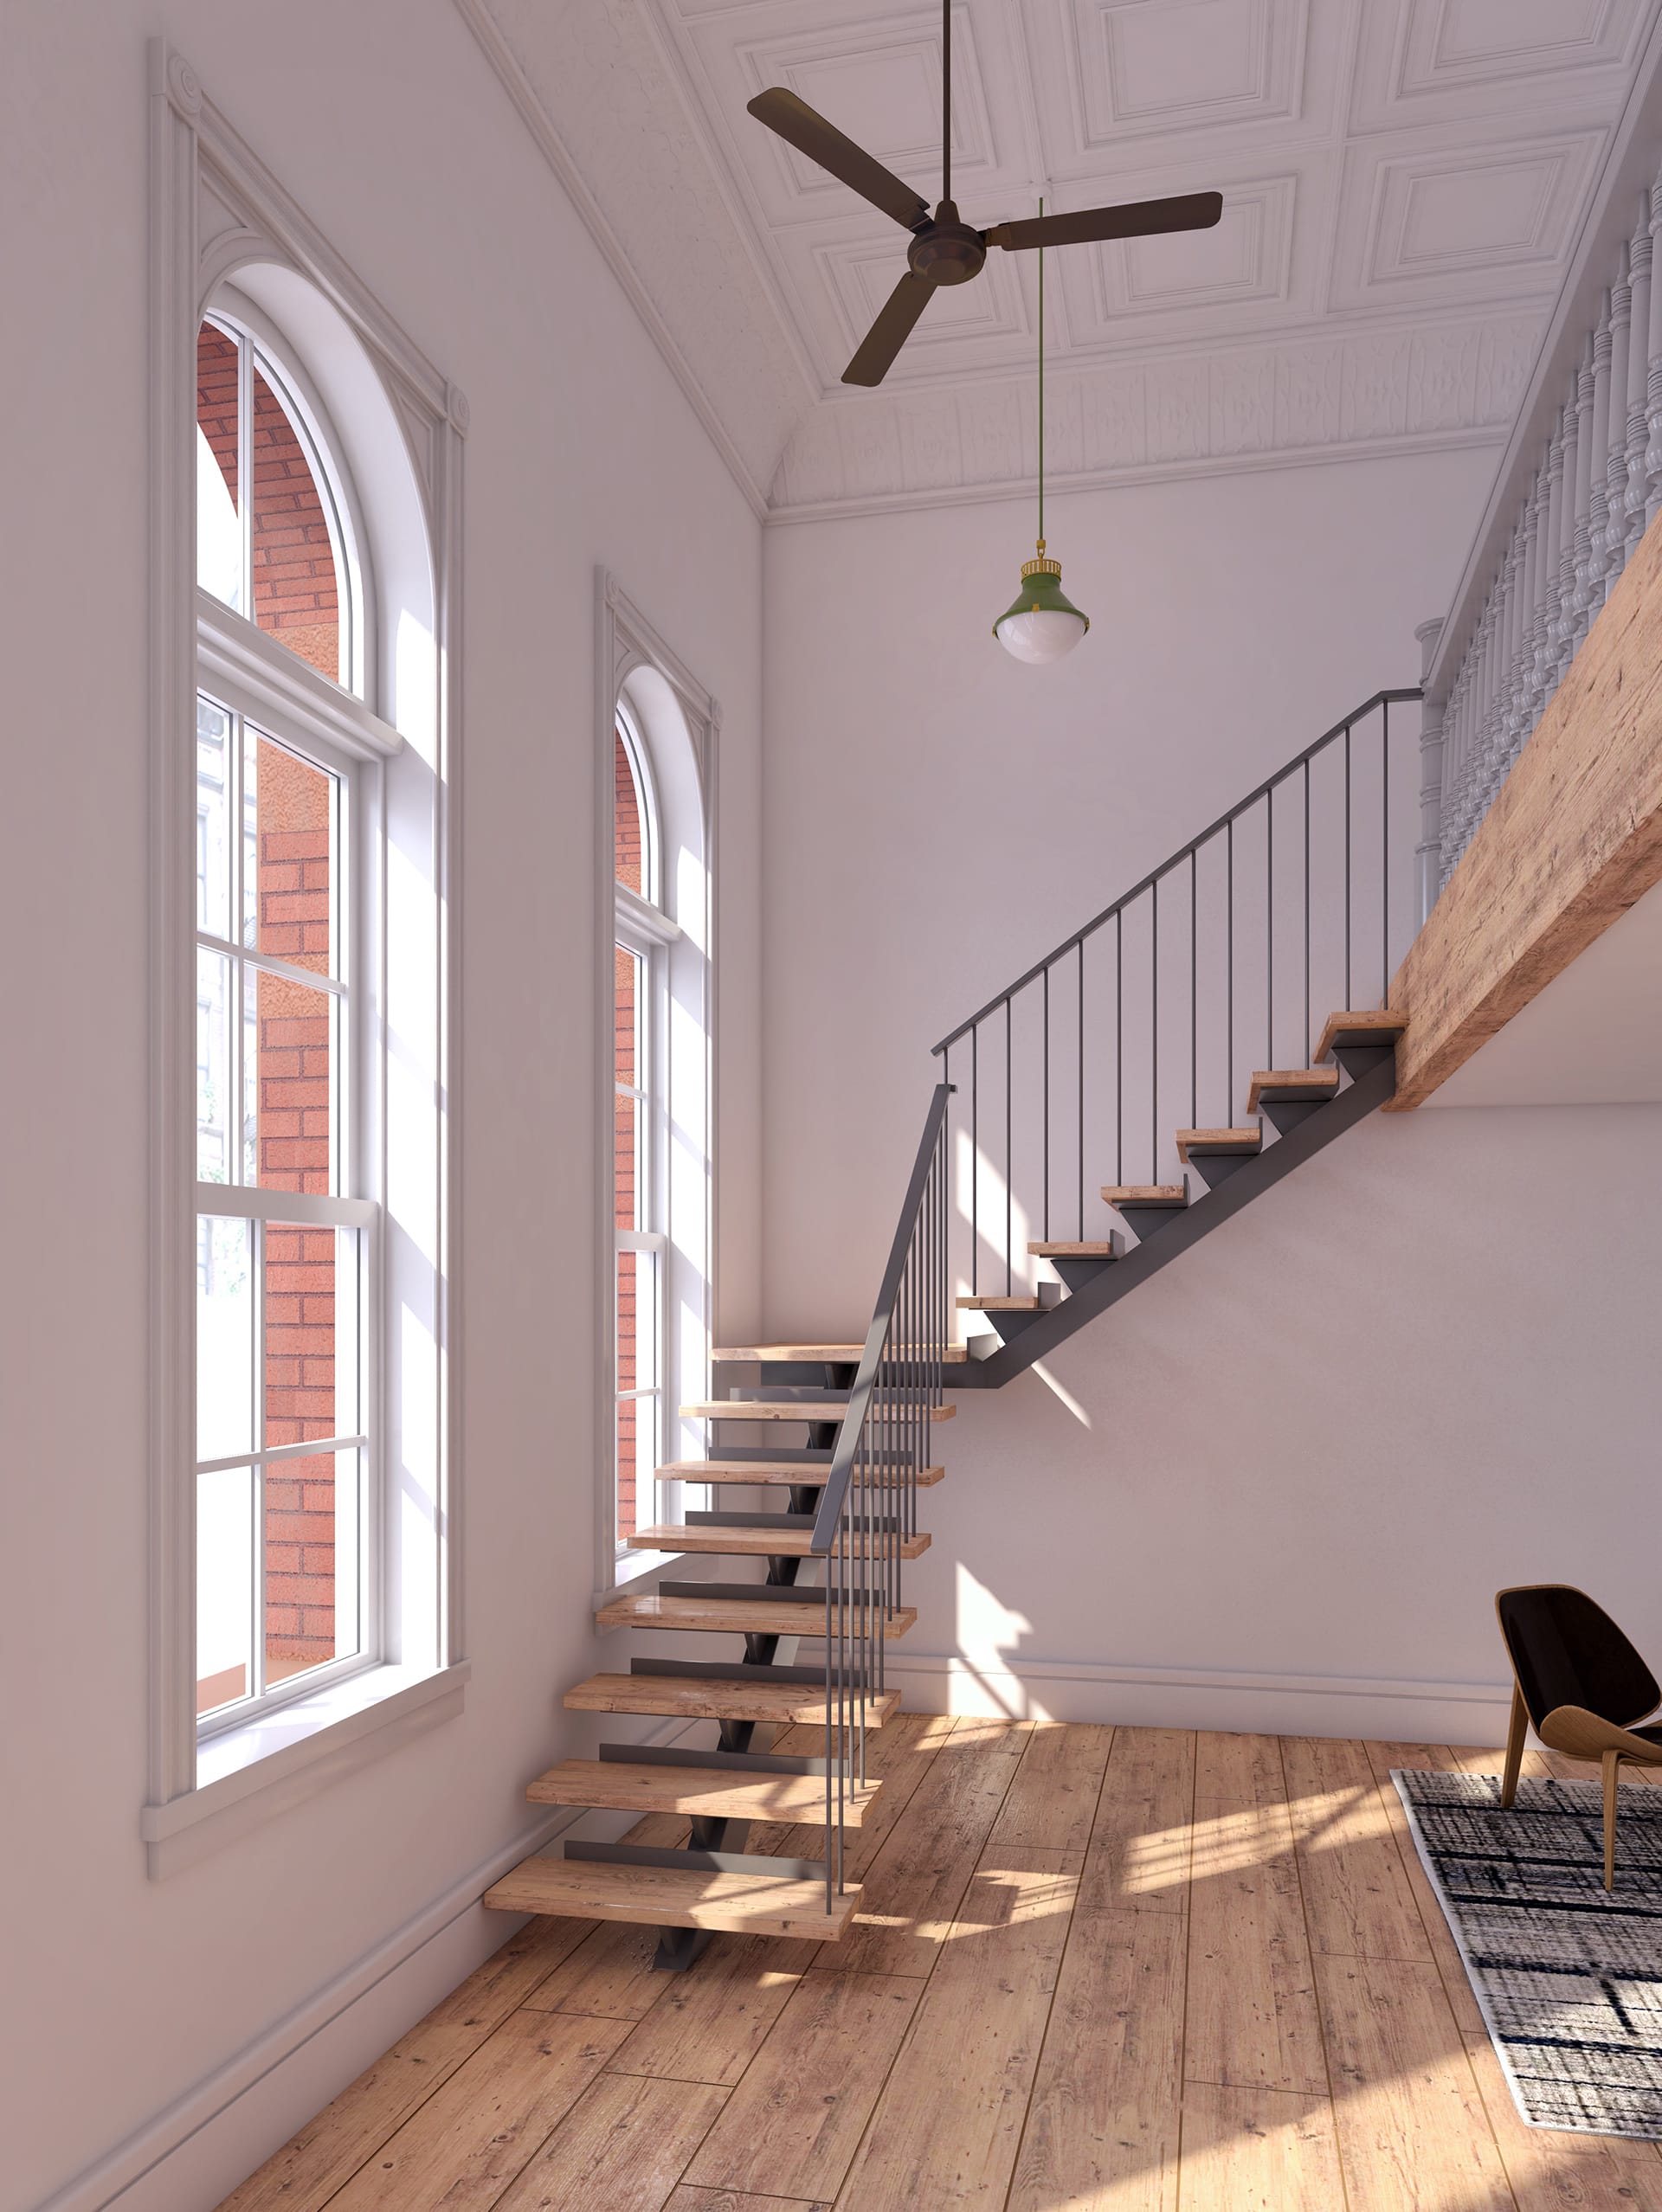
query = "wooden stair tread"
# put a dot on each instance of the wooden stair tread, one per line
(760, 1471)
(767, 1409)
(1374, 1024)
(708, 1792)
(1250, 1139)
(703, 1698)
(758, 1616)
(766, 1472)
(999, 1305)
(1273, 1079)
(1103, 1251)
(841, 1355)
(1145, 1193)
(754, 1543)
(677, 1897)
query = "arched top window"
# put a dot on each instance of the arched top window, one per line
(273, 535)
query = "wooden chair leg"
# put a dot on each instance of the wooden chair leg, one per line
(1612, 1768)
(1517, 1730)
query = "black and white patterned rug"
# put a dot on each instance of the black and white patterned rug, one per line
(1570, 1976)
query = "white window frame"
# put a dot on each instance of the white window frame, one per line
(225, 236)
(672, 727)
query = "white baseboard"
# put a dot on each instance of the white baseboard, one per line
(1203, 1697)
(195, 2151)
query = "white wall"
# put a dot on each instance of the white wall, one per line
(1309, 1451)
(384, 121)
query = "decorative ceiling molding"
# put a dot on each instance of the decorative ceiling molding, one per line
(1367, 390)
(1403, 181)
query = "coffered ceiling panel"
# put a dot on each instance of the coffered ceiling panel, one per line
(1386, 165)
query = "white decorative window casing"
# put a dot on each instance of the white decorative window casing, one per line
(658, 1001)
(306, 474)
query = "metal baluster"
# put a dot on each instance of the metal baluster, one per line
(1154, 1054)
(1194, 1001)
(1120, 1059)
(1269, 927)
(1009, 1162)
(1045, 982)
(1347, 866)
(1385, 853)
(1229, 990)
(974, 1161)
(1081, 1078)
(1306, 907)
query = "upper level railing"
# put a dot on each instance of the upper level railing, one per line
(1579, 484)
(1297, 902)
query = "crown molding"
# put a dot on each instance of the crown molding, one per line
(1419, 388)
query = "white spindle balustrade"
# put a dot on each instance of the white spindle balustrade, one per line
(1579, 521)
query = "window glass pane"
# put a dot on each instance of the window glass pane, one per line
(629, 821)
(626, 1194)
(296, 590)
(312, 1511)
(290, 811)
(219, 527)
(213, 819)
(309, 1313)
(224, 1586)
(224, 1337)
(214, 1103)
(291, 1052)
(628, 1408)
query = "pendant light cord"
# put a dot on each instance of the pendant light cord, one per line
(1041, 390)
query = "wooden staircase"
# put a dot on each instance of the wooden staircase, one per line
(711, 1883)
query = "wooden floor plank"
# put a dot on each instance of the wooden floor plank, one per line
(472, 2138)
(328, 2151)
(948, 2125)
(1258, 2150)
(509, 1976)
(795, 2122)
(1412, 2130)
(708, 2025)
(1103, 2122)
(1252, 2020)
(1052, 1801)
(1444, 1952)
(622, 2147)
(913, 1887)
(727, 2200)
(1358, 1900)
(1138, 1857)
(609, 1975)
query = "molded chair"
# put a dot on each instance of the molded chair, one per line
(1581, 1685)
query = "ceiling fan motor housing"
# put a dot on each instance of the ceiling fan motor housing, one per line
(946, 251)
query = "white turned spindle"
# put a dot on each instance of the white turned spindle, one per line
(1540, 629)
(1598, 503)
(1583, 500)
(1428, 853)
(1563, 619)
(1653, 373)
(1615, 439)
(1639, 374)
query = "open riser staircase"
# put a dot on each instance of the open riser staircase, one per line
(1147, 1041)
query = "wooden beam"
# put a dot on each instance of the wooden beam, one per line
(1573, 840)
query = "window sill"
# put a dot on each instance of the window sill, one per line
(631, 1568)
(249, 1774)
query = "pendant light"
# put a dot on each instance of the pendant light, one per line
(1040, 625)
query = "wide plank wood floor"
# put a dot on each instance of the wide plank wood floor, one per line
(1134, 1970)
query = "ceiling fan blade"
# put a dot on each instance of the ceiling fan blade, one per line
(799, 125)
(1142, 219)
(894, 327)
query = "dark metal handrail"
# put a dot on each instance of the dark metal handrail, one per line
(1167, 867)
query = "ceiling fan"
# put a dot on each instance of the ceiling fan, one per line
(943, 249)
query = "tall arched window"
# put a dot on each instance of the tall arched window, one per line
(661, 1071)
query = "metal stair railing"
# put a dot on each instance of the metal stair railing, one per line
(868, 1506)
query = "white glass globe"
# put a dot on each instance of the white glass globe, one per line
(1040, 634)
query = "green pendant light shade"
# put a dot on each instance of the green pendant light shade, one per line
(1041, 623)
